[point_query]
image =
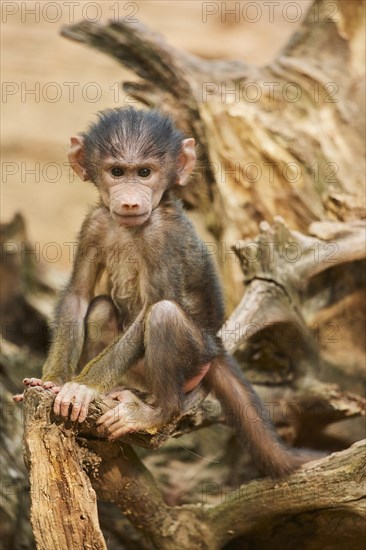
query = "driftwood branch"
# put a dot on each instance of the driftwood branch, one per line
(63, 503)
(317, 499)
(64, 512)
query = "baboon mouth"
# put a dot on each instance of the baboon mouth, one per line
(131, 215)
(132, 219)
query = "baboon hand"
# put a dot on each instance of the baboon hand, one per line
(36, 382)
(73, 401)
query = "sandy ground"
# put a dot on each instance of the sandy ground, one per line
(52, 87)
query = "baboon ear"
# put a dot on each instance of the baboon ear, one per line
(187, 160)
(76, 157)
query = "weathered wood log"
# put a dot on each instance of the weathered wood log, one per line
(64, 503)
(321, 506)
(277, 330)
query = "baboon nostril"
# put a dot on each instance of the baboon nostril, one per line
(130, 205)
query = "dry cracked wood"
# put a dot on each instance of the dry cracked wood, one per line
(64, 513)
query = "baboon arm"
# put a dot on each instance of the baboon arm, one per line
(68, 334)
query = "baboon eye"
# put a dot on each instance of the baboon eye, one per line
(117, 172)
(144, 172)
